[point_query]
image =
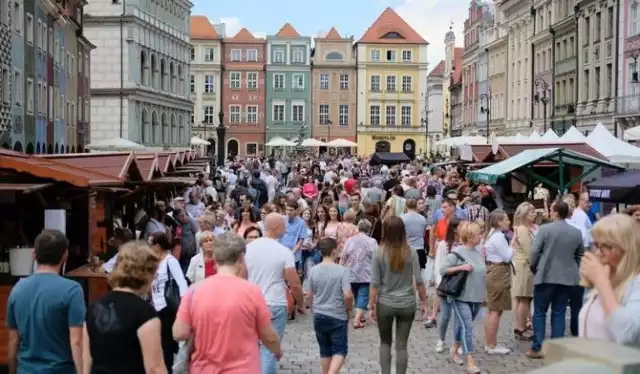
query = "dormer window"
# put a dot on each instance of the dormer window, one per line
(392, 35)
(334, 56)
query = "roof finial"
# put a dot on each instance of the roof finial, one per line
(450, 25)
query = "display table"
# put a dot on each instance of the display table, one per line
(94, 282)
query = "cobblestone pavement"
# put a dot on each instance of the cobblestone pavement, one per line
(302, 356)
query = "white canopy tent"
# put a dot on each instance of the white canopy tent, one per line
(341, 143)
(312, 143)
(280, 142)
(573, 135)
(615, 150)
(462, 140)
(115, 144)
(550, 137)
(197, 141)
(632, 134)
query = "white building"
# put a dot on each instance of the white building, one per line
(435, 102)
(140, 70)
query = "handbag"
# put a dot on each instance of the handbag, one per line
(171, 291)
(452, 284)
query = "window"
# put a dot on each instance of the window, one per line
(18, 87)
(344, 115)
(80, 63)
(30, 95)
(344, 81)
(50, 104)
(375, 83)
(298, 113)
(391, 115)
(192, 80)
(209, 84)
(374, 115)
(80, 117)
(587, 28)
(17, 17)
(38, 35)
(391, 55)
(324, 81)
(323, 113)
(278, 113)
(278, 56)
(406, 56)
(252, 114)
(391, 83)
(6, 92)
(236, 55)
(29, 29)
(86, 65)
(251, 149)
(585, 92)
(209, 54)
(252, 55)
(406, 115)
(208, 114)
(298, 57)
(597, 83)
(610, 22)
(72, 67)
(234, 80)
(375, 55)
(406, 84)
(298, 82)
(278, 82)
(609, 80)
(193, 54)
(252, 81)
(235, 113)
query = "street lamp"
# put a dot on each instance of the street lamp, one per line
(486, 99)
(221, 131)
(541, 97)
(329, 123)
(425, 122)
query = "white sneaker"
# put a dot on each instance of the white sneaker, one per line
(498, 350)
(439, 346)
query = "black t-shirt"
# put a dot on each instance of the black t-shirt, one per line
(112, 325)
(388, 186)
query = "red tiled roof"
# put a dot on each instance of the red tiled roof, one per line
(438, 70)
(244, 36)
(333, 35)
(200, 28)
(390, 22)
(457, 63)
(287, 31)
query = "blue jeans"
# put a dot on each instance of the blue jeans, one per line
(445, 317)
(279, 322)
(545, 295)
(331, 334)
(361, 295)
(465, 313)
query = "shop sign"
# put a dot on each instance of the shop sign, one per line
(377, 137)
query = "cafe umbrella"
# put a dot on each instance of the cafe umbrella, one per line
(620, 188)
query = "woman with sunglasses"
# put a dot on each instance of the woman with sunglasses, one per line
(203, 265)
(251, 234)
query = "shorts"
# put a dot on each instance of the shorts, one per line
(422, 258)
(331, 334)
(361, 295)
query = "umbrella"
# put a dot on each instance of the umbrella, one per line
(341, 143)
(313, 143)
(279, 142)
(619, 188)
(197, 141)
(114, 144)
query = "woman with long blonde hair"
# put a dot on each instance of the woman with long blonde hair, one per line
(524, 229)
(612, 309)
(392, 294)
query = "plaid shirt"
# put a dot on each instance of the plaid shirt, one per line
(477, 211)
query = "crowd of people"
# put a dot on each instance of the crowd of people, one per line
(208, 280)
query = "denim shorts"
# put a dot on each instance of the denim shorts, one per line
(331, 334)
(360, 294)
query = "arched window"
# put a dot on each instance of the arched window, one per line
(634, 19)
(144, 127)
(180, 129)
(155, 128)
(165, 129)
(143, 68)
(334, 56)
(181, 82)
(172, 76)
(163, 75)
(174, 130)
(154, 71)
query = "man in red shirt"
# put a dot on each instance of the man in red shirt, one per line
(350, 183)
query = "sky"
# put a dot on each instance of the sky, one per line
(430, 18)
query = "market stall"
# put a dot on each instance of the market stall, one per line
(620, 188)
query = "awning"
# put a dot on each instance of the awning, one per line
(619, 188)
(23, 187)
(118, 165)
(389, 158)
(492, 173)
(186, 181)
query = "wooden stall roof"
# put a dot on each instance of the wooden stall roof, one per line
(165, 164)
(118, 165)
(178, 159)
(52, 169)
(148, 165)
(483, 153)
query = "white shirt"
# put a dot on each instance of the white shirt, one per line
(159, 283)
(232, 179)
(266, 261)
(585, 238)
(497, 248)
(271, 182)
(582, 223)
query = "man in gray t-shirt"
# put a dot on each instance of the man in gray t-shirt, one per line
(328, 282)
(415, 226)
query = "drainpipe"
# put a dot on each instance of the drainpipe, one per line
(617, 51)
(553, 76)
(124, 6)
(533, 63)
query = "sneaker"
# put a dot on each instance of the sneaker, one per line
(430, 323)
(439, 346)
(535, 355)
(497, 350)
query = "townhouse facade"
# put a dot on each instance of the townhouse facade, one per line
(435, 102)
(542, 79)
(470, 94)
(139, 71)
(7, 74)
(494, 41)
(243, 93)
(483, 110)
(205, 80)
(334, 92)
(392, 87)
(288, 92)
(628, 88)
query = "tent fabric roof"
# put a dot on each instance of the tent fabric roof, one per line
(389, 158)
(612, 148)
(573, 135)
(492, 173)
(623, 188)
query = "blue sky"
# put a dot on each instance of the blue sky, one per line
(351, 17)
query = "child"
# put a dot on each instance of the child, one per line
(329, 291)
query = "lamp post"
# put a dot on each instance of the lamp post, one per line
(541, 97)
(486, 98)
(425, 122)
(221, 132)
(329, 123)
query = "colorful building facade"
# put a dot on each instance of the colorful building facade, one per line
(243, 93)
(334, 93)
(392, 87)
(288, 92)
(7, 74)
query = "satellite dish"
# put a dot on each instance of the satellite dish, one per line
(494, 145)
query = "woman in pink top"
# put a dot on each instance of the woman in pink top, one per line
(227, 327)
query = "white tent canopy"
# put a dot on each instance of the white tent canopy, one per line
(550, 136)
(112, 144)
(462, 140)
(614, 149)
(342, 143)
(197, 141)
(632, 134)
(573, 135)
(313, 143)
(280, 142)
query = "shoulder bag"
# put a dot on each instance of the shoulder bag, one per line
(452, 284)
(171, 290)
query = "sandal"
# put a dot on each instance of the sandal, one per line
(455, 357)
(358, 325)
(522, 335)
(473, 370)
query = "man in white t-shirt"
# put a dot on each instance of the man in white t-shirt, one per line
(269, 265)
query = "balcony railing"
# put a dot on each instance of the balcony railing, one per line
(629, 105)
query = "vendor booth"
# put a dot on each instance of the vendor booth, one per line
(389, 158)
(620, 188)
